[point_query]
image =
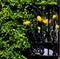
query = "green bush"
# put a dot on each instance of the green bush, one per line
(12, 30)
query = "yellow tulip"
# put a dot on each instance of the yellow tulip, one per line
(27, 23)
(45, 21)
(57, 26)
(54, 16)
(39, 28)
(39, 19)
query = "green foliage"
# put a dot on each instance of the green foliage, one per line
(12, 30)
(45, 1)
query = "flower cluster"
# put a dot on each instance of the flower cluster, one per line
(43, 25)
(42, 20)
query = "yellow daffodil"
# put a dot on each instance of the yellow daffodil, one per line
(39, 19)
(54, 16)
(27, 23)
(39, 28)
(57, 26)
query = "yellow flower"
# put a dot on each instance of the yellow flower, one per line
(45, 21)
(57, 26)
(39, 19)
(39, 28)
(54, 16)
(27, 23)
